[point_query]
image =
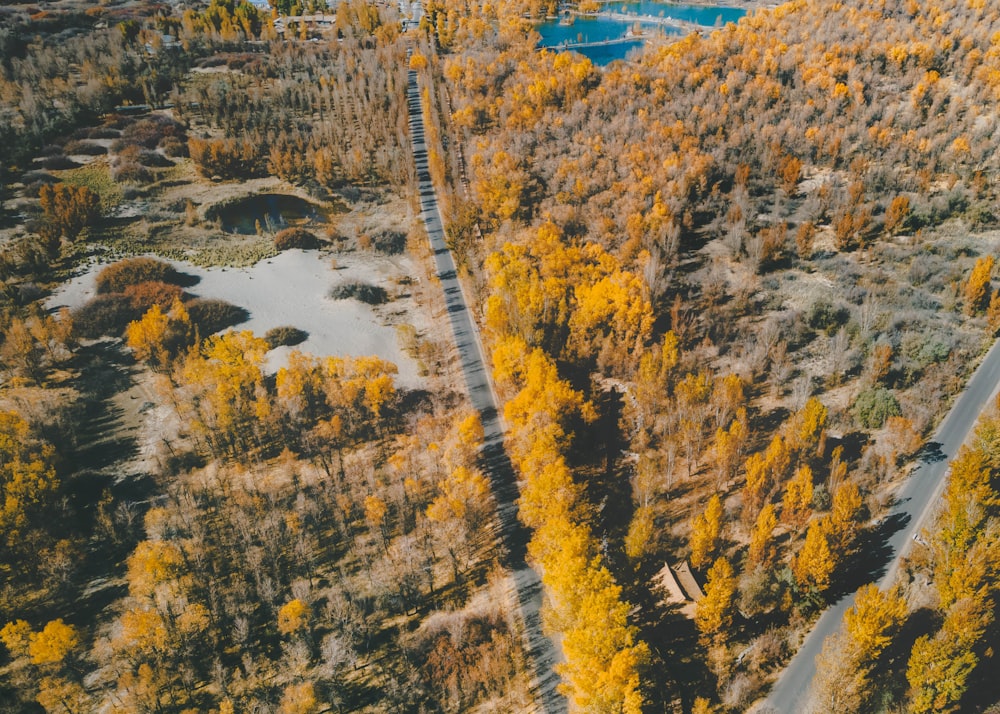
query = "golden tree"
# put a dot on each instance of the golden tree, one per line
(814, 564)
(714, 613)
(706, 527)
(978, 289)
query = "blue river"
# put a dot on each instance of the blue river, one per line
(597, 29)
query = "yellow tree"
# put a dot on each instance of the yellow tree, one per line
(299, 699)
(53, 643)
(874, 620)
(27, 476)
(796, 506)
(706, 527)
(228, 394)
(728, 398)
(757, 484)
(896, 214)
(939, 666)
(146, 337)
(805, 428)
(814, 564)
(151, 564)
(714, 613)
(762, 538)
(293, 617)
(603, 657)
(640, 532)
(846, 515)
(729, 446)
(16, 637)
(300, 393)
(61, 696)
(977, 289)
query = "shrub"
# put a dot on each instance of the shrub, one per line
(213, 315)
(85, 148)
(153, 292)
(102, 132)
(154, 159)
(389, 242)
(131, 172)
(117, 277)
(824, 316)
(296, 238)
(873, 406)
(174, 146)
(368, 294)
(285, 336)
(59, 163)
(104, 315)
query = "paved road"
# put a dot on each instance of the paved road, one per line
(915, 502)
(541, 649)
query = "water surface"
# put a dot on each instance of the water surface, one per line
(554, 33)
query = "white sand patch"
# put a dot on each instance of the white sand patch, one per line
(292, 289)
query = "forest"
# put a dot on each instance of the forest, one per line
(765, 254)
(728, 288)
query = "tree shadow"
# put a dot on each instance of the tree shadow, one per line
(682, 673)
(869, 557)
(931, 453)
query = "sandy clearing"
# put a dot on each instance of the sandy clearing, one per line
(291, 289)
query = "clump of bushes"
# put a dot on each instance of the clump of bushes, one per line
(285, 336)
(827, 317)
(153, 292)
(133, 271)
(368, 294)
(86, 148)
(874, 405)
(387, 242)
(131, 172)
(214, 315)
(59, 163)
(104, 315)
(296, 238)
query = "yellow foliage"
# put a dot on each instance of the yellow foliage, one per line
(56, 694)
(299, 699)
(16, 636)
(375, 511)
(714, 613)
(805, 428)
(874, 619)
(153, 563)
(143, 632)
(761, 540)
(797, 504)
(640, 533)
(293, 617)
(27, 475)
(814, 564)
(706, 528)
(53, 643)
(977, 289)
(462, 496)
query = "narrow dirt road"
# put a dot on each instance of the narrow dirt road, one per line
(541, 650)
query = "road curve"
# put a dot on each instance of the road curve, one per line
(914, 503)
(541, 650)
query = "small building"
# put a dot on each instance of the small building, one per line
(687, 581)
(666, 581)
